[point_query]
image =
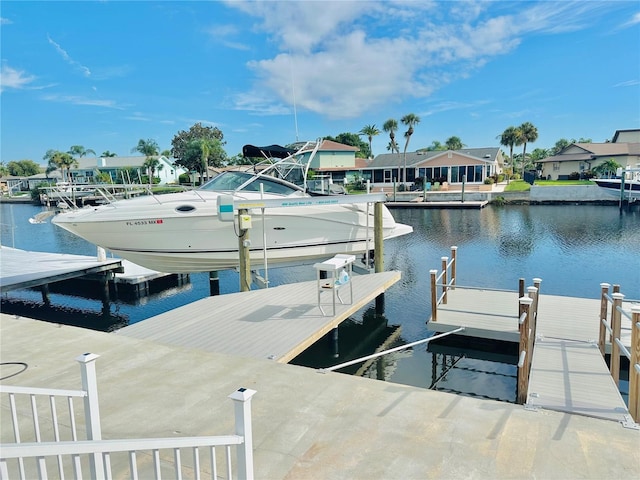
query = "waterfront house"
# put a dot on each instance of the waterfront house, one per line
(472, 165)
(124, 169)
(578, 158)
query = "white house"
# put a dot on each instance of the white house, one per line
(125, 169)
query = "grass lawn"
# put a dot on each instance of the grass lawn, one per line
(522, 186)
(561, 183)
(517, 186)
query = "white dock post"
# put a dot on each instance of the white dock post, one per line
(242, 401)
(616, 319)
(91, 409)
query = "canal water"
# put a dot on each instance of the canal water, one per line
(571, 248)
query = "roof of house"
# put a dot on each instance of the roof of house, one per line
(593, 151)
(335, 146)
(487, 154)
(628, 130)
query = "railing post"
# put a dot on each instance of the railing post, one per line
(520, 291)
(434, 296)
(91, 409)
(454, 262)
(445, 281)
(536, 283)
(604, 304)
(634, 365)
(378, 237)
(242, 407)
(616, 319)
(523, 364)
(533, 321)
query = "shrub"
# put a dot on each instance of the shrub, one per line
(488, 181)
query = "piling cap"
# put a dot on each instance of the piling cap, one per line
(526, 300)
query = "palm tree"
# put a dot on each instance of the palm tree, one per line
(510, 138)
(528, 134)
(607, 168)
(107, 153)
(147, 147)
(409, 120)
(370, 131)
(391, 126)
(62, 161)
(435, 146)
(80, 151)
(151, 165)
(454, 143)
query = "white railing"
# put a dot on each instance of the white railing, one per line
(42, 444)
(613, 327)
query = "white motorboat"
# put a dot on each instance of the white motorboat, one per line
(629, 177)
(183, 232)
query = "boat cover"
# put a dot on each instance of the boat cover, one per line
(271, 151)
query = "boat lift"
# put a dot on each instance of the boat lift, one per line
(227, 208)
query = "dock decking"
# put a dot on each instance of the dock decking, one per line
(24, 269)
(568, 372)
(277, 323)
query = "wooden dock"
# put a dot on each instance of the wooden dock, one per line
(277, 323)
(568, 372)
(25, 269)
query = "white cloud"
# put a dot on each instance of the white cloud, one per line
(5, 21)
(346, 58)
(634, 20)
(85, 70)
(225, 34)
(79, 100)
(12, 78)
(628, 83)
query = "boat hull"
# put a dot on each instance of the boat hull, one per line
(612, 187)
(182, 233)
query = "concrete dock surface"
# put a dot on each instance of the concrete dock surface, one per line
(310, 425)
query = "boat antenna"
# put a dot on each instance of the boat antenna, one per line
(293, 90)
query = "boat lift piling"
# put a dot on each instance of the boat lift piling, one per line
(227, 206)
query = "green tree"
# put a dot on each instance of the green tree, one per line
(107, 154)
(202, 153)
(510, 138)
(454, 143)
(539, 154)
(391, 126)
(353, 140)
(80, 151)
(22, 168)
(435, 147)
(410, 120)
(148, 148)
(152, 165)
(62, 161)
(560, 145)
(4, 170)
(607, 168)
(528, 134)
(180, 143)
(370, 131)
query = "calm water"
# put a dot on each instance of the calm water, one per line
(572, 248)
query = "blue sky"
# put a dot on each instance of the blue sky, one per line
(105, 74)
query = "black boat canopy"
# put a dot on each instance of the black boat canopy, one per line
(272, 151)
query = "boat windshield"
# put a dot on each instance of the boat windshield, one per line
(232, 181)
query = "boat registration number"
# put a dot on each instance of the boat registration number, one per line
(136, 223)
